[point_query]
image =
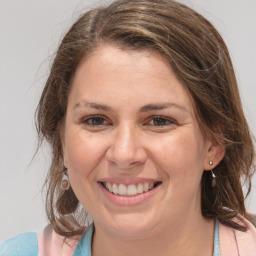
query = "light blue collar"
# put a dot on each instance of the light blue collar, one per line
(216, 251)
(84, 246)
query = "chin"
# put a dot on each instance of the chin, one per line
(131, 226)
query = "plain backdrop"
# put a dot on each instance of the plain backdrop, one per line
(30, 31)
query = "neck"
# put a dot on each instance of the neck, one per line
(186, 238)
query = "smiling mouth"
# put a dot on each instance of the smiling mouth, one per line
(129, 190)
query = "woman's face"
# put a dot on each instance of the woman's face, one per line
(131, 129)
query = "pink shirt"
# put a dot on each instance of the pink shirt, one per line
(232, 242)
(237, 243)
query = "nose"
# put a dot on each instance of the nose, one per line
(126, 150)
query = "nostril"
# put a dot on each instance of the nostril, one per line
(126, 149)
(126, 158)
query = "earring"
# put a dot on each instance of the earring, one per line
(213, 176)
(65, 183)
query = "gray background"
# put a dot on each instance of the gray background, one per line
(30, 31)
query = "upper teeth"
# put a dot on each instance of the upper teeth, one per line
(130, 190)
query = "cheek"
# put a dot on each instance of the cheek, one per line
(181, 157)
(83, 153)
(181, 161)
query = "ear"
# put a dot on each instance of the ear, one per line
(215, 154)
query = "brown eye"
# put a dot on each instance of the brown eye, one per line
(160, 121)
(95, 121)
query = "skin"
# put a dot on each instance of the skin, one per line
(110, 134)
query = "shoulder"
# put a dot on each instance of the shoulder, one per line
(23, 244)
(238, 242)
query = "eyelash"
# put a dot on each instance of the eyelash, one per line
(89, 121)
(166, 121)
(99, 121)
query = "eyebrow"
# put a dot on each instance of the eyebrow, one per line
(151, 107)
(146, 108)
(92, 105)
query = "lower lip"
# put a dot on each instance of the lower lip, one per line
(128, 200)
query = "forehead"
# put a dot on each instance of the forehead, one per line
(110, 73)
(113, 59)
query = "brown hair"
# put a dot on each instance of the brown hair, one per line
(200, 58)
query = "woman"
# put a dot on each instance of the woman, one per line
(143, 115)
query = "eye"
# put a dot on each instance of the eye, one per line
(95, 121)
(160, 121)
